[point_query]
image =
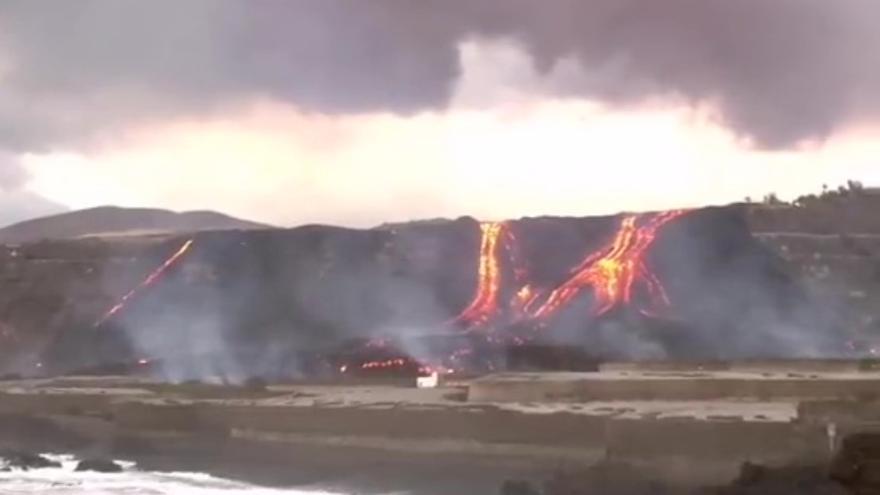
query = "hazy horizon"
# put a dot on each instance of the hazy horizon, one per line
(438, 109)
(61, 211)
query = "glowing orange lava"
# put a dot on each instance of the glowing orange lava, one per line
(614, 271)
(524, 300)
(150, 280)
(616, 275)
(485, 302)
(389, 363)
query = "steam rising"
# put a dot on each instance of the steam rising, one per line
(274, 303)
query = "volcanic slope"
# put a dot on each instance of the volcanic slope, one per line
(682, 284)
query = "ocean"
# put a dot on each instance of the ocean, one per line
(132, 481)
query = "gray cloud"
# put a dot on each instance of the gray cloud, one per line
(17, 204)
(779, 71)
(12, 174)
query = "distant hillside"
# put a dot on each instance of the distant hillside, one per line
(850, 209)
(410, 223)
(114, 221)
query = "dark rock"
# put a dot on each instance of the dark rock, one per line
(705, 253)
(755, 479)
(751, 474)
(512, 487)
(607, 478)
(857, 464)
(27, 460)
(255, 384)
(869, 473)
(844, 467)
(25, 431)
(98, 466)
(864, 444)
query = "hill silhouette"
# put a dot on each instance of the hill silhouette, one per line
(115, 221)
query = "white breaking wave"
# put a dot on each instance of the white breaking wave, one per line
(65, 481)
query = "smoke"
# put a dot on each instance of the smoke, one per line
(181, 324)
(278, 303)
(17, 203)
(730, 296)
(188, 343)
(735, 298)
(778, 72)
(271, 304)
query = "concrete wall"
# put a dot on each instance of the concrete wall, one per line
(677, 365)
(699, 451)
(591, 388)
(158, 417)
(752, 366)
(797, 366)
(547, 438)
(766, 442)
(70, 404)
(840, 411)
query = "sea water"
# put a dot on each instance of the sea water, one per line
(132, 481)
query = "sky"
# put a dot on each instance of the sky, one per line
(357, 113)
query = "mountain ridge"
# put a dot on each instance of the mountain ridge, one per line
(117, 220)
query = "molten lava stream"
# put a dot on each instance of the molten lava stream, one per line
(151, 279)
(524, 299)
(520, 267)
(485, 302)
(614, 271)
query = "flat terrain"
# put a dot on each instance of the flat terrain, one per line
(390, 435)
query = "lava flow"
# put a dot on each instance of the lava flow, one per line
(615, 274)
(614, 271)
(485, 302)
(150, 280)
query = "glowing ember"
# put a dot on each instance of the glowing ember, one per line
(150, 280)
(614, 271)
(524, 300)
(388, 363)
(520, 268)
(485, 303)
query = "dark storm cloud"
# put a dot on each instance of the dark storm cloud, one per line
(779, 70)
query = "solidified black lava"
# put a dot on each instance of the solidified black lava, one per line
(25, 460)
(98, 466)
(623, 479)
(270, 303)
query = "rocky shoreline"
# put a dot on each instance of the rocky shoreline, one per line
(604, 478)
(389, 438)
(349, 470)
(343, 470)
